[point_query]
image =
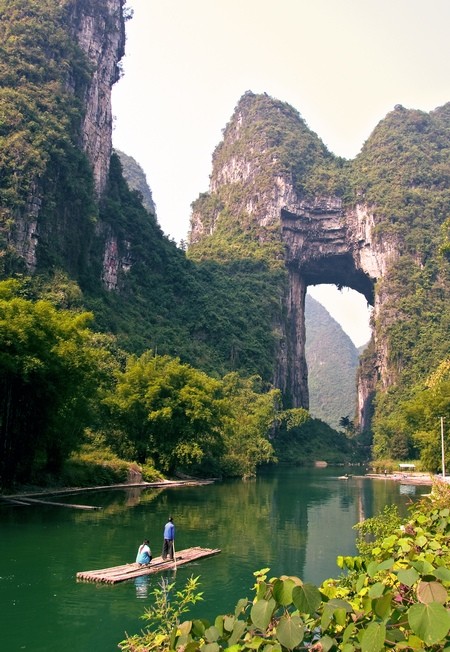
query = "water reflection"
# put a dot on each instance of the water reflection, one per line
(408, 489)
(142, 583)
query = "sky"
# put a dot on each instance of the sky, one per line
(343, 64)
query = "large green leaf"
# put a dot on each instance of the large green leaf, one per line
(228, 623)
(386, 564)
(337, 608)
(210, 647)
(185, 627)
(421, 541)
(429, 621)
(373, 638)
(242, 603)
(349, 631)
(382, 606)
(408, 576)
(326, 643)
(219, 624)
(423, 567)
(306, 598)
(442, 573)
(282, 591)
(198, 627)
(212, 634)
(428, 592)
(290, 631)
(376, 590)
(238, 629)
(261, 613)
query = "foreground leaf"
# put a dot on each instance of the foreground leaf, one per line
(290, 631)
(430, 622)
(261, 613)
(306, 598)
(373, 638)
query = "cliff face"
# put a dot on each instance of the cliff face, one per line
(274, 181)
(99, 30)
(60, 62)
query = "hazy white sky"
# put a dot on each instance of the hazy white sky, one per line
(343, 64)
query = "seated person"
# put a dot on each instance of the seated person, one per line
(144, 554)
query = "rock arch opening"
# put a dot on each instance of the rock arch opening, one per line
(322, 246)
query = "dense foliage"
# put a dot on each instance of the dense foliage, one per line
(394, 597)
(404, 170)
(52, 368)
(43, 75)
(64, 385)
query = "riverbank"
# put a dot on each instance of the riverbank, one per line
(406, 478)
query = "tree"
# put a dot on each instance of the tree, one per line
(51, 368)
(249, 420)
(423, 411)
(169, 410)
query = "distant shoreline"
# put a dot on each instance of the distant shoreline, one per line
(405, 478)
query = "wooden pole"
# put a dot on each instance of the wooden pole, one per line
(442, 448)
(174, 557)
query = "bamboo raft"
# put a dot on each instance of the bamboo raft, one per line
(125, 572)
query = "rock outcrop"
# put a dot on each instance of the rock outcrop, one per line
(99, 30)
(264, 182)
(66, 85)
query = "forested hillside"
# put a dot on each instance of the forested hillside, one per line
(404, 170)
(332, 357)
(137, 180)
(332, 365)
(111, 337)
(379, 222)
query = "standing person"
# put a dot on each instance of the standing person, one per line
(169, 536)
(144, 554)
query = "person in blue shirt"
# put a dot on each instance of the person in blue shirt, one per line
(144, 554)
(169, 537)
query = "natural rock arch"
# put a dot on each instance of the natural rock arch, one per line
(322, 244)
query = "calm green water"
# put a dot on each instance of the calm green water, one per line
(294, 521)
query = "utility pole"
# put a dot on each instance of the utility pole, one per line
(442, 448)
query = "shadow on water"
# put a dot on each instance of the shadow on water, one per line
(293, 521)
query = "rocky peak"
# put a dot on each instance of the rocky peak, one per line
(273, 174)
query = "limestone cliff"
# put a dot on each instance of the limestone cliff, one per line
(99, 30)
(274, 183)
(60, 60)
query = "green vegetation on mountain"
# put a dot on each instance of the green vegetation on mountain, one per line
(404, 170)
(332, 364)
(43, 75)
(136, 179)
(268, 131)
(402, 175)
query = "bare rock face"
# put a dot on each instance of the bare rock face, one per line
(100, 32)
(322, 242)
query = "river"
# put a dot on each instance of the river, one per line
(293, 521)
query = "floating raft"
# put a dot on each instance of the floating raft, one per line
(129, 571)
